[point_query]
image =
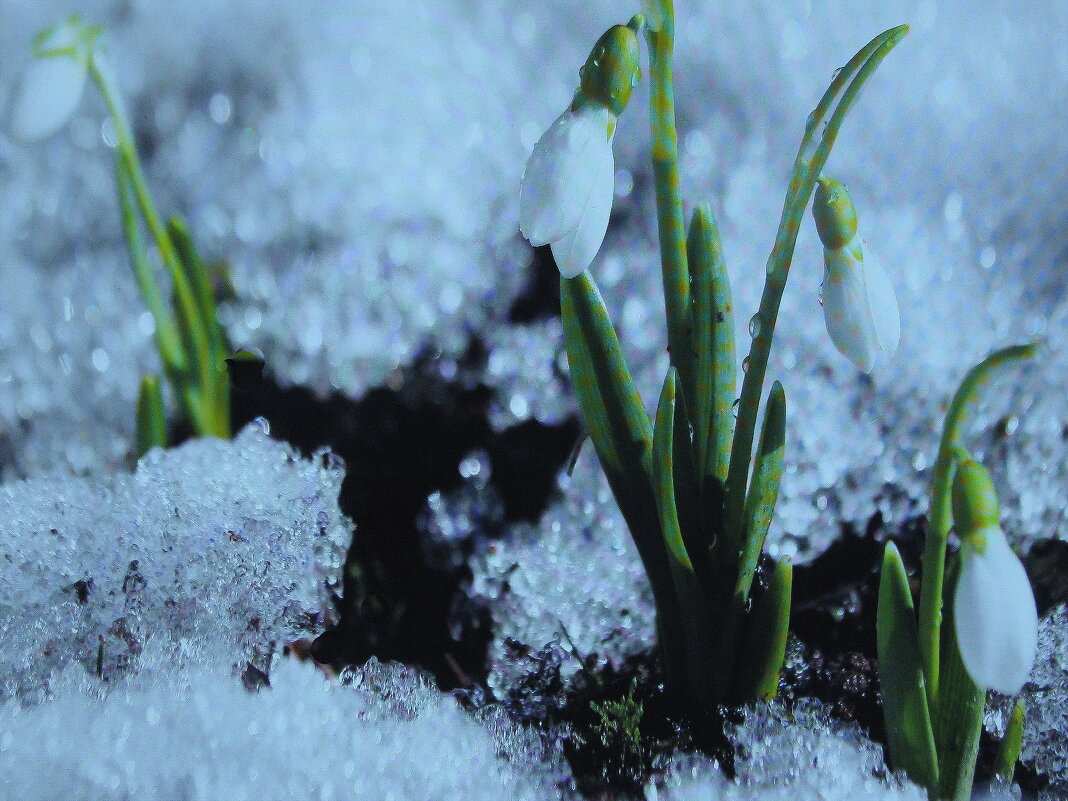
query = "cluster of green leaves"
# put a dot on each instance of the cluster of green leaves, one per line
(932, 707)
(190, 339)
(696, 498)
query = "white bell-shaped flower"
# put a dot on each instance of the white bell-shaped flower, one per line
(51, 88)
(566, 197)
(994, 612)
(859, 303)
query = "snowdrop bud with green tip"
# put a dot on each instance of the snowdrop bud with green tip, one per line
(994, 607)
(51, 88)
(859, 303)
(566, 196)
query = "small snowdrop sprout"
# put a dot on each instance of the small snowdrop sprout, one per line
(859, 304)
(993, 606)
(190, 339)
(934, 677)
(51, 88)
(566, 196)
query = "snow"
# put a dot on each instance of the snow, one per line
(782, 754)
(216, 551)
(1045, 743)
(380, 732)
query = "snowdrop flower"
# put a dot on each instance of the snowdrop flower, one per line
(568, 183)
(51, 88)
(859, 304)
(993, 608)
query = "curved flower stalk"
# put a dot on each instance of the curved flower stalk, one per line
(935, 666)
(568, 183)
(994, 613)
(190, 340)
(697, 496)
(859, 304)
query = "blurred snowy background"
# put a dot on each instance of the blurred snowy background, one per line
(358, 163)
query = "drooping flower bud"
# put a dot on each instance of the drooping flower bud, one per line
(568, 183)
(994, 614)
(859, 303)
(51, 88)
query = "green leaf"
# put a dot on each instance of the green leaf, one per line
(763, 490)
(692, 601)
(151, 426)
(1009, 750)
(760, 664)
(910, 737)
(714, 348)
(621, 432)
(217, 347)
(959, 715)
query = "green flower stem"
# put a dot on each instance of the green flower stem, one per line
(811, 157)
(670, 220)
(167, 337)
(940, 515)
(958, 716)
(195, 327)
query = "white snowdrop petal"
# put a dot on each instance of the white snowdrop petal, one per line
(48, 94)
(995, 618)
(575, 251)
(882, 303)
(846, 310)
(557, 174)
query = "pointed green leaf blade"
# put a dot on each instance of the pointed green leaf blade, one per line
(764, 488)
(696, 626)
(759, 666)
(1012, 744)
(151, 426)
(909, 733)
(713, 346)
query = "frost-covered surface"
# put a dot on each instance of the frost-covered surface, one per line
(360, 169)
(787, 755)
(1045, 743)
(198, 735)
(573, 580)
(213, 551)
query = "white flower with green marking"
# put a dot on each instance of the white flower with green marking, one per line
(51, 87)
(567, 189)
(859, 303)
(569, 179)
(994, 613)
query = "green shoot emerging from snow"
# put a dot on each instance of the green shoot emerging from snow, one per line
(935, 668)
(190, 340)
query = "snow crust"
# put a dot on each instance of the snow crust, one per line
(784, 755)
(214, 551)
(382, 732)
